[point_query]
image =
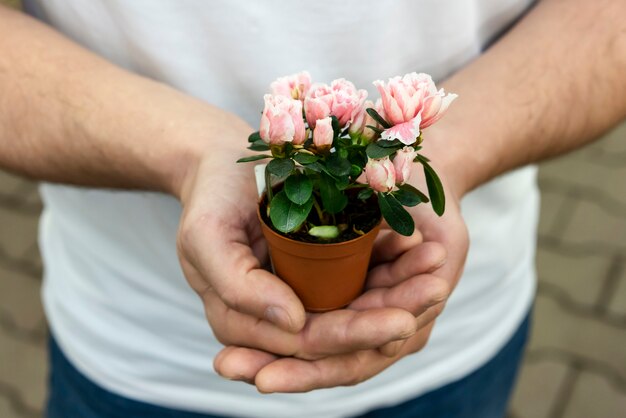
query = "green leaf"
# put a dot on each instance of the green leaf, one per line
(298, 188)
(333, 200)
(335, 125)
(342, 182)
(355, 171)
(435, 189)
(407, 198)
(388, 144)
(259, 146)
(254, 137)
(253, 158)
(304, 158)
(365, 194)
(375, 129)
(375, 151)
(338, 166)
(358, 157)
(374, 114)
(411, 189)
(287, 216)
(281, 167)
(316, 166)
(396, 216)
(421, 158)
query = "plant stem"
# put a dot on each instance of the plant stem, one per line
(357, 186)
(268, 186)
(318, 209)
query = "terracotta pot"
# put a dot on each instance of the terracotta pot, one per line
(324, 276)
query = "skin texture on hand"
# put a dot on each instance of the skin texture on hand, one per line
(413, 274)
(222, 253)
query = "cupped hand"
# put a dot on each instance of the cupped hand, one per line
(220, 245)
(222, 253)
(415, 275)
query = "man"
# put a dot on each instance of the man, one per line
(129, 336)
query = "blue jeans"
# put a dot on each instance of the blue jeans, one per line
(482, 394)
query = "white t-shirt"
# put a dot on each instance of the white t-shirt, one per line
(114, 293)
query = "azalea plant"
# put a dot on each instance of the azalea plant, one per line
(332, 152)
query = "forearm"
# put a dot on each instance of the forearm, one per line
(67, 115)
(553, 83)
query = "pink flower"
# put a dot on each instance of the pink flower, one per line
(411, 103)
(435, 106)
(323, 133)
(360, 120)
(341, 99)
(295, 86)
(380, 174)
(282, 121)
(403, 163)
(318, 103)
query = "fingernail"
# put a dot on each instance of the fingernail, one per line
(278, 316)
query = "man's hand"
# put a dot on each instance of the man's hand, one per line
(413, 274)
(222, 252)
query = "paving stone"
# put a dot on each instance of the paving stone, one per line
(552, 204)
(24, 367)
(579, 334)
(6, 411)
(18, 232)
(613, 142)
(12, 3)
(594, 396)
(580, 278)
(596, 227)
(20, 300)
(586, 173)
(9, 183)
(537, 387)
(617, 304)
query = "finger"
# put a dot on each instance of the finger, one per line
(426, 318)
(221, 255)
(291, 375)
(389, 245)
(414, 295)
(239, 363)
(330, 333)
(424, 321)
(392, 349)
(423, 258)
(325, 334)
(346, 331)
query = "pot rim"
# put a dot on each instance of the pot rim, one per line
(314, 244)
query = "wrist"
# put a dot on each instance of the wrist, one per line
(210, 147)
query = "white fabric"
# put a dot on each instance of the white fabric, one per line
(114, 293)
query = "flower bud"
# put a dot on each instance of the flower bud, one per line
(323, 134)
(380, 174)
(361, 119)
(295, 86)
(282, 121)
(403, 164)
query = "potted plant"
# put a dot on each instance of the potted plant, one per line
(337, 164)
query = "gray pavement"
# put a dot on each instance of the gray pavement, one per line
(575, 366)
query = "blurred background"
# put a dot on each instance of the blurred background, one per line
(575, 365)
